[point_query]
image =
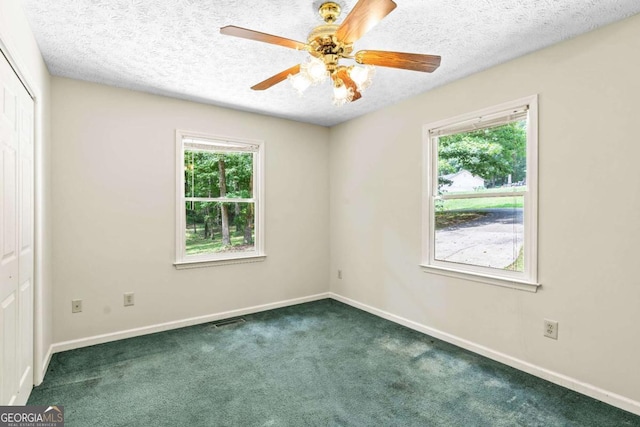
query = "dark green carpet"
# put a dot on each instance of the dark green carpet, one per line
(317, 364)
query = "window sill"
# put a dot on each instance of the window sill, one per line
(489, 280)
(184, 265)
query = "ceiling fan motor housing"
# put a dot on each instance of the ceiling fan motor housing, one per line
(325, 46)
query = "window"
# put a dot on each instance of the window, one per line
(480, 196)
(219, 200)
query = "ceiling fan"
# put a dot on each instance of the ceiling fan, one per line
(328, 43)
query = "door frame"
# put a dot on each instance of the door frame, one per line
(40, 358)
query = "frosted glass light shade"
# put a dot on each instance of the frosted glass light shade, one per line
(300, 82)
(315, 70)
(342, 95)
(362, 76)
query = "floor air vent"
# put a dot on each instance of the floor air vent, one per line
(228, 322)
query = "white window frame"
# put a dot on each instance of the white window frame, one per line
(526, 280)
(183, 260)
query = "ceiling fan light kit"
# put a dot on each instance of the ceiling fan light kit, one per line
(299, 82)
(342, 94)
(362, 75)
(314, 70)
(330, 43)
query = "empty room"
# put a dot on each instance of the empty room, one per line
(319, 213)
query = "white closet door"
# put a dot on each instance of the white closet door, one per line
(16, 238)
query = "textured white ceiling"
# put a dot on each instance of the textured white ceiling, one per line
(174, 47)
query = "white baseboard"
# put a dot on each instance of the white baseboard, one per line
(554, 377)
(130, 333)
(44, 366)
(551, 376)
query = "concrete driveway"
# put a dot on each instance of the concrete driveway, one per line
(491, 241)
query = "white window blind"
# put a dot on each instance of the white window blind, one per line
(193, 144)
(482, 122)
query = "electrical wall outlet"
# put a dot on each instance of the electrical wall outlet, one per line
(128, 299)
(339, 274)
(551, 329)
(76, 306)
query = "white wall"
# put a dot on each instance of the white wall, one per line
(18, 43)
(114, 211)
(589, 231)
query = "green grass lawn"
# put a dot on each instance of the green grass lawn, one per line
(518, 264)
(483, 203)
(196, 243)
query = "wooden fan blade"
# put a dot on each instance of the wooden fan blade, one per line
(363, 17)
(407, 61)
(273, 80)
(231, 30)
(349, 83)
